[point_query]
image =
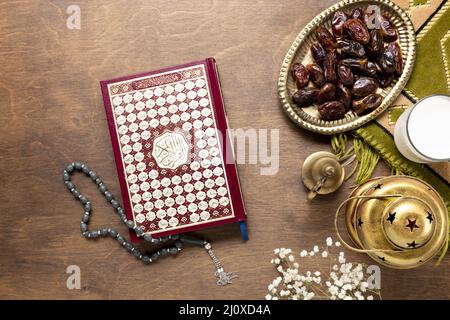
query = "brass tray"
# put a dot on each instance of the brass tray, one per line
(308, 117)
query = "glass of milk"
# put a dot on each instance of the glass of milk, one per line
(422, 133)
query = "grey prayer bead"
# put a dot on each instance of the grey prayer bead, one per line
(102, 187)
(113, 233)
(146, 259)
(85, 169)
(66, 176)
(87, 207)
(173, 250)
(76, 193)
(103, 231)
(128, 245)
(139, 231)
(77, 165)
(137, 253)
(147, 237)
(69, 185)
(69, 168)
(85, 217)
(108, 195)
(83, 226)
(154, 257)
(83, 199)
(115, 204)
(178, 244)
(93, 175)
(130, 224)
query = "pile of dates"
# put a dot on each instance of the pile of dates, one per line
(351, 62)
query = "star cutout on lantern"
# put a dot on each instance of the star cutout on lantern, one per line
(412, 225)
(360, 222)
(378, 186)
(382, 258)
(430, 216)
(412, 244)
(391, 217)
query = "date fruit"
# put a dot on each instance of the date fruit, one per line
(316, 74)
(387, 61)
(385, 79)
(318, 52)
(344, 95)
(364, 86)
(357, 65)
(357, 13)
(357, 30)
(337, 23)
(367, 103)
(329, 67)
(300, 74)
(349, 48)
(326, 93)
(325, 38)
(345, 75)
(375, 45)
(305, 97)
(388, 30)
(332, 110)
(398, 59)
(372, 69)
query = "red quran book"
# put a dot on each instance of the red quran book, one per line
(173, 153)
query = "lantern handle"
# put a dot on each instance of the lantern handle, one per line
(363, 197)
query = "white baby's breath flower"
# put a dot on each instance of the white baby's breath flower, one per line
(345, 280)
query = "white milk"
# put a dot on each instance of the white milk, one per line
(422, 133)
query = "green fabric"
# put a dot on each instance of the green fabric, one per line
(419, 2)
(431, 73)
(395, 112)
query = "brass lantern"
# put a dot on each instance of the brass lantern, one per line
(399, 221)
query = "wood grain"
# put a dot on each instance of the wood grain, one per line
(52, 114)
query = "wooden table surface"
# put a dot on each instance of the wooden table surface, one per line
(52, 114)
